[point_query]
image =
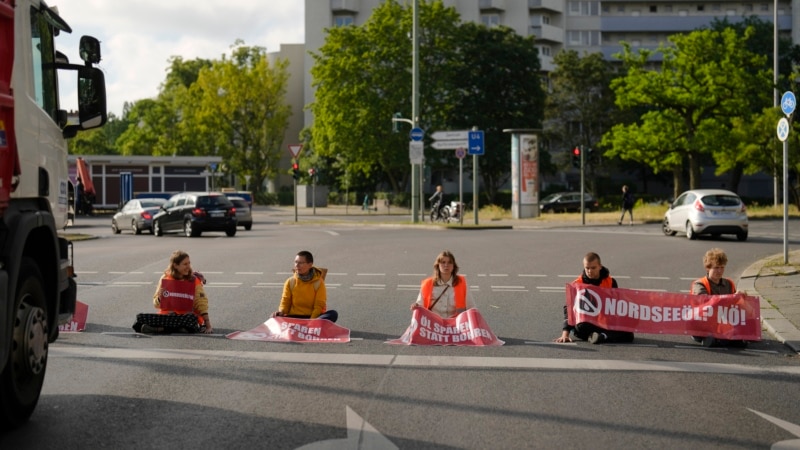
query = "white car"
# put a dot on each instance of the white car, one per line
(244, 213)
(707, 211)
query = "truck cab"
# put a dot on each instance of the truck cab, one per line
(37, 290)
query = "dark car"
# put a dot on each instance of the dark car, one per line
(568, 202)
(136, 215)
(194, 213)
(244, 213)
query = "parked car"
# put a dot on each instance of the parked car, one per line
(567, 202)
(136, 215)
(707, 211)
(194, 213)
(244, 213)
(162, 195)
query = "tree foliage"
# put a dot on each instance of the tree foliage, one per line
(706, 79)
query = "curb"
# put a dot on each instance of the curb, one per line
(772, 320)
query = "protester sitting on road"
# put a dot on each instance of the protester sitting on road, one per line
(714, 283)
(446, 293)
(180, 300)
(304, 295)
(596, 275)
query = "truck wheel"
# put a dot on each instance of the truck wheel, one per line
(23, 376)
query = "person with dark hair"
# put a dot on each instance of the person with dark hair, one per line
(437, 203)
(627, 204)
(596, 275)
(304, 294)
(180, 300)
(714, 283)
(446, 292)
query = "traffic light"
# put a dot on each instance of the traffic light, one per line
(576, 157)
(295, 171)
(395, 126)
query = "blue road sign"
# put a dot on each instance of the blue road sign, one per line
(788, 103)
(475, 146)
(417, 134)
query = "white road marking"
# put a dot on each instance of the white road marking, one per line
(654, 278)
(498, 274)
(531, 275)
(249, 273)
(388, 360)
(371, 274)
(421, 275)
(132, 283)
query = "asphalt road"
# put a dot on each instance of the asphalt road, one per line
(109, 387)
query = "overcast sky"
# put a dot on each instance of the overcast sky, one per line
(138, 37)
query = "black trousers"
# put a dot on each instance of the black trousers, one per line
(584, 329)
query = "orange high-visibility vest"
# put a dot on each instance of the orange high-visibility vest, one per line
(707, 283)
(460, 292)
(607, 282)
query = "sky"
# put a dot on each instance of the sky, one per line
(138, 37)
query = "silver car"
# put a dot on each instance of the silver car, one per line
(244, 213)
(136, 215)
(707, 211)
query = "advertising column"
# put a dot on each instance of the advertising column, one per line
(524, 172)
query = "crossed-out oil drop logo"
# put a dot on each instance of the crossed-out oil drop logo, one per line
(165, 293)
(587, 303)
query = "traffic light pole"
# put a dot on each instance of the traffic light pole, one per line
(583, 188)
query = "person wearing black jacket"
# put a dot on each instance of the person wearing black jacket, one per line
(595, 274)
(627, 204)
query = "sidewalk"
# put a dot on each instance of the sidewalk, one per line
(778, 285)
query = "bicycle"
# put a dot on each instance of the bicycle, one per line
(439, 214)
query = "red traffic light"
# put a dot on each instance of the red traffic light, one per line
(576, 151)
(295, 166)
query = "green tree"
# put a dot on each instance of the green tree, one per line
(362, 77)
(494, 84)
(705, 80)
(237, 109)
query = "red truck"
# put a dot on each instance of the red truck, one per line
(37, 290)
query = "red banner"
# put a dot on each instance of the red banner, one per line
(177, 295)
(286, 329)
(733, 316)
(467, 328)
(78, 321)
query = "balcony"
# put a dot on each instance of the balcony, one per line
(344, 6)
(548, 33)
(492, 5)
(556, 6)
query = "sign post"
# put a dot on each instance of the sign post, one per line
(788, 105)
(476, 148)
(294, 149)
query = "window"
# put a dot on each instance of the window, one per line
(653, 8)
(544, 50)
(490, 20)
(584, 8)
(343, 21)
(45, 79)
(764, 7)
(545, 20)
(701, 8)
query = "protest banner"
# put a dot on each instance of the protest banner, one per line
(286, 329)
(467, 328)
(78, 321)
(177, 295)
(733, 316)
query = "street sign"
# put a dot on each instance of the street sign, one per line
(449, 145)
(295, 149)
(475, 146)
(461, 152)
(449, 135)
(783, 129)
(416, 152)
(788, 103)
(417, 134)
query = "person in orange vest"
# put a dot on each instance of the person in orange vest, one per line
(596, 274)
(446, 293)
(304, 294)
(714, 283)
(180, 300)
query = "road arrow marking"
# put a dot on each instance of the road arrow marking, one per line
(360, 434)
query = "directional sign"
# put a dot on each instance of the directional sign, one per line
(417, 134)
(788, 103)
(295, 149)
(449, 145)
(475, 146)
(783, 129)
(449, 135)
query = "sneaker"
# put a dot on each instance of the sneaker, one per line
(149, 329)
(597, 338)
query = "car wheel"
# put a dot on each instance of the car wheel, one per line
(666, 229)
(231, 231)
(135, 227)
(248, 226)
(115, 227)
(690, 234)
(157, 228)
(188, 230)
(742, 236)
